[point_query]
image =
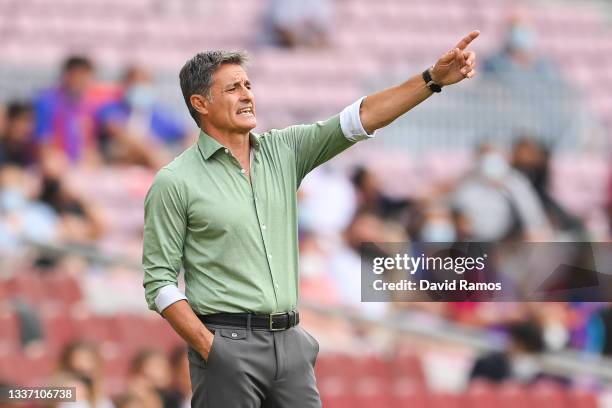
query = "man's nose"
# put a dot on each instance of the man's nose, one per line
(246, 94)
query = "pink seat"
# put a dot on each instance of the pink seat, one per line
(550, 395)
(481, 395)
(9, 328)
(582, 399)
(446, 400)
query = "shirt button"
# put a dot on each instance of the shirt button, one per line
(242, 171)
(234, 334)
(226, 150)
(263, 226)
(276, 284)
(269, 256)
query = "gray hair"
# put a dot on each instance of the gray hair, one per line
(196, 75)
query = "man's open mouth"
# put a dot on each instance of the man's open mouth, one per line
(245, 111)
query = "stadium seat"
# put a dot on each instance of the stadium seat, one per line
(446, 400)
(59, 329)
(550, 395)
(407, 393)
(512, 395)
(97, 328)
(9, 329)
(582, 399)
(481, 394)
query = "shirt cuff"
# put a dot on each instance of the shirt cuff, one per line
(167, 296)
(351, 125)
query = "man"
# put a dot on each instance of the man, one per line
(16, 140)
(136, 128)
(65, 114)
(499, 202)
(226, 210)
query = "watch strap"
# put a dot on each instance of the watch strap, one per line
(433, 86)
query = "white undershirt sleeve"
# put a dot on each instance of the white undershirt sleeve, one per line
(351, 125)
(167, 296)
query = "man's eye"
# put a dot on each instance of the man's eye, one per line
(231, 89)
(248, 86)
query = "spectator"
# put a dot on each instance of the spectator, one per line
(599, 331)
(438, 224)
(82, 360)
(137, 128)
(21, 217)
(326, 203)
(65, 115)
(83, 389)
(179, 395)
(128, 401)
(532, 160)
(79, 222)
(316, 284)
(294, 23)
(516, 362)
(151, 378)
(370, 196)
(345, 262)
(499, 202)
(518, 61)
(16, 141)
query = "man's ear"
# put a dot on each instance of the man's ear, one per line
(199, 103)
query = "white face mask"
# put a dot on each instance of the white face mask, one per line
(140, 97)
(11, 200)
(494, 166)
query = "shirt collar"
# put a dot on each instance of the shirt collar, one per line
(208, 145)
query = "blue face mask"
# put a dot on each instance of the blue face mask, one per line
(438, 231)
(140, 97)
(521, 38)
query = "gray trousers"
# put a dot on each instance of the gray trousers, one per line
(255, 368)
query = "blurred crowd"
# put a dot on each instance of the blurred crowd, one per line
(154, 380)
(72, 126)
(505, 196)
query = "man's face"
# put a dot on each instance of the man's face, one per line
(232, 106)
(21, 128)
(77, 80)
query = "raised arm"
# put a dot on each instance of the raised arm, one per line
(381, 108)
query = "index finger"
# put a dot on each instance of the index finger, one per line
(467, 40)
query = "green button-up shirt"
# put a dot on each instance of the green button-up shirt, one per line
(237, 239)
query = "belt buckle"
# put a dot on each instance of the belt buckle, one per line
(272, 321)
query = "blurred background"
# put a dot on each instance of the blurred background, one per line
(90, 108)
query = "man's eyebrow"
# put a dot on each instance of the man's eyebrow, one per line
(236, 83)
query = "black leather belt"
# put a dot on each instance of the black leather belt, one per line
(272, 322)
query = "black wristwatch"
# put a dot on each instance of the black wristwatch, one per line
(434, 87)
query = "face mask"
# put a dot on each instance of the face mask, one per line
(11, 200)
(438, 231)
(140, 97)
(521, 38)
(494, 166)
